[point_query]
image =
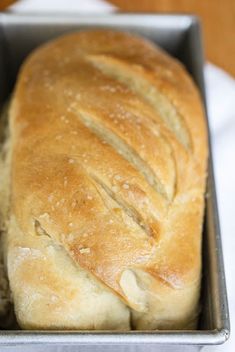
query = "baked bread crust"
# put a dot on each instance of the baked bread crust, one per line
(108, 150)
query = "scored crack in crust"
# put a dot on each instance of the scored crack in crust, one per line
(108, 170)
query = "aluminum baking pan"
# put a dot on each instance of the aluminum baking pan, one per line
(180, 36)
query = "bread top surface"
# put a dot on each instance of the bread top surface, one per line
(109, 150)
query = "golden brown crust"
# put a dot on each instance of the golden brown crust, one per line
(109, 152)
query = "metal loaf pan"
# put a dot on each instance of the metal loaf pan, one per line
(180, 36)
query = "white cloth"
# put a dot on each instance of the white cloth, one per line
(64, 6)
(220, 89)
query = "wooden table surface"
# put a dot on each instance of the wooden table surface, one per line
(218, 18)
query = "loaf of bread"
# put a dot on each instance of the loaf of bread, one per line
(107, 162)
